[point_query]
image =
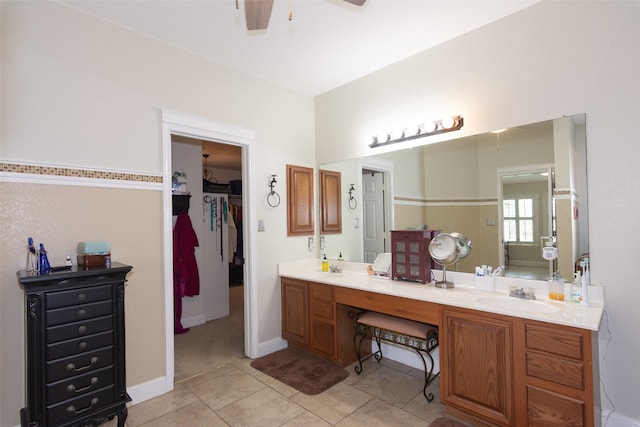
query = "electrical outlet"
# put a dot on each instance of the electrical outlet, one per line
(261, 225)
(322, 243)
(310, 243)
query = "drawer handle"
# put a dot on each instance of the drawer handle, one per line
(71, 388)
(82, 345)
(72, 367)
(81, 297)
(82, 312)
(82, 329)
(72, 409)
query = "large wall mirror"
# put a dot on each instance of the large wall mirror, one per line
(510, 192)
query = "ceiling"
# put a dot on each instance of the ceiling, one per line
(327, 44)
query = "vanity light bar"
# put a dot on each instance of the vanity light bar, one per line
(447, 124)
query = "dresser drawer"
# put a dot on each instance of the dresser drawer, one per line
(85, 404)
(550, 340)
(554, 369)
(79, 345)
(78, 312)
(79, 364)
(79, 385)
(79, 329)
(77, 296)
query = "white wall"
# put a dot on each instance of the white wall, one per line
(550, 60)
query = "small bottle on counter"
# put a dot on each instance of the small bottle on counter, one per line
(576, 288)
(325, 263)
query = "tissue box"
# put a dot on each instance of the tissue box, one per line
(93, 254)
(484, 283)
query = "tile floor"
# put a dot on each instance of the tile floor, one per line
(216, 386)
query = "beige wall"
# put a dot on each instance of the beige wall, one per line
(79, 92)
(547, 61)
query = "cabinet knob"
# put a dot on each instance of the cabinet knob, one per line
(82, 313)
(83, 345)
(82, 297)
(82, 329)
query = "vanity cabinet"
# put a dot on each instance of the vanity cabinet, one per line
(558, 367)
(477, 365)
(299, 201)
(75, 347)
(313, 321)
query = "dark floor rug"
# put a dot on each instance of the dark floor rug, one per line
(446, 422)
(305, 372)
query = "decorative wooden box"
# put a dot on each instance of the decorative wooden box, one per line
(410, 259)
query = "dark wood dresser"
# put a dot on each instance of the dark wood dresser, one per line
(75, 347)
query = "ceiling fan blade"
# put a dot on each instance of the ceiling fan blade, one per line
(356, 2)
(257, 13)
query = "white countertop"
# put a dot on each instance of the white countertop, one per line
(464, 294)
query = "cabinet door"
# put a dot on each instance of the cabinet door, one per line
(295, 311)
(322, 311)
(477, 365)
(299, 201)
(331, 202)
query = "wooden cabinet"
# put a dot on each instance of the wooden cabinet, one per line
(330, 202)
(295, 311)
(75, 347)
(558, 368)
(312, 320)
(410, 255)
(477, 365)
(299, 201)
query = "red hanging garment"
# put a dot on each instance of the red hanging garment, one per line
(186, 279)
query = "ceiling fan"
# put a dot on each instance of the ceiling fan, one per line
(258, 12)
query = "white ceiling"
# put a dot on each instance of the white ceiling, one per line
(327, 44)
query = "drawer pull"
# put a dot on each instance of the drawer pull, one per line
(72, 367)
(82, 346)
(82, 297)
(82, 329)
(72, 409)
(71, 388)
(82, 313)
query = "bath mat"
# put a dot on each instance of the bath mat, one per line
(305, 372)
(446, 422)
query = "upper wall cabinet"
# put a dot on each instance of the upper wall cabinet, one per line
(331, 203)
(299, 201)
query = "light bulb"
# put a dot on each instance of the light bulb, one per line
(448, 122)
(430, 127)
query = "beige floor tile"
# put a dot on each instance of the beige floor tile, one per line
(195, 415)
(226, 389)
(280, 387)
(397, 388)
(307, 419)
(335, 403)
(143, 412)
(377, 413)
(264, 408)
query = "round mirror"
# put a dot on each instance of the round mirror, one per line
(446, 249)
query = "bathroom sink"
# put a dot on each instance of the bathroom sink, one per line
(518, 305)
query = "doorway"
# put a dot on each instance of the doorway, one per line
(377, 206)
(178, 124)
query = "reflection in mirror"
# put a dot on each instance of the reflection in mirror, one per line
(457, 185)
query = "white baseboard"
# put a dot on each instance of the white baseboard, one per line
(616, 420)
(190, 322)
(148, 390)
(406, 356)
(271, 346)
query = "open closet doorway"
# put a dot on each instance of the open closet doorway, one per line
(377, 210)
(176, 124)
(210, 328)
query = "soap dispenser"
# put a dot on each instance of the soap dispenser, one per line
(325, 263)
(576, 287)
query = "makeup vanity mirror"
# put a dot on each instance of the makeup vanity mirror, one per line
(510, 192)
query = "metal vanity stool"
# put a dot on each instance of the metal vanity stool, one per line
(421, 337)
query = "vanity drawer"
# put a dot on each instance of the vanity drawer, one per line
(555, 341)
(79, 364)
(545, 408)
(79, 385)
(554, 369)
(78, 312)
(321, 301)
(84, 404)
(79, 329)
(79, 345)
(77, 296)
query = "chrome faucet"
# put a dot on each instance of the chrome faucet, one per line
(529, 293)
(334, 268)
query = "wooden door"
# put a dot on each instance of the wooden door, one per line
(299, 201)
(295, 311)
(331, 202)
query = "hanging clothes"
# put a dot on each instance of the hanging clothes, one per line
(186, 279)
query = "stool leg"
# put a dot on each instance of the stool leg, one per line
(428, 373)
(357, 347)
